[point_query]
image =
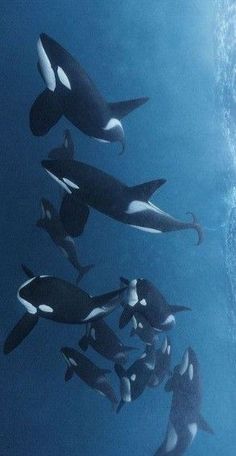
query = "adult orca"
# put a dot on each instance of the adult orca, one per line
(55, 299)
(144, 298)
(103, 339)
(134, 380)
(163, 362)
(130, 205)
(52, 224)
(143, 329)
(65, 151)
(185, 418)
(70, 92)
(91, 374)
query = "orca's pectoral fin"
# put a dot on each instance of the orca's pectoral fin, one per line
(122, 108)
(176, 309)
(45, 113)
(19, 332)
(69, 373)
(27, 271)
(144, 191)
(73, 214)
(204, 426)
(125, 316)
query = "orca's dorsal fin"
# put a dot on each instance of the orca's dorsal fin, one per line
(27, 271)
(204, 426)
(69, 373)
(144, 191)
(120, 109)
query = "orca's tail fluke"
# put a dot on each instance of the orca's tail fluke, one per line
(195, 225)
(19, 332)
(82, 271)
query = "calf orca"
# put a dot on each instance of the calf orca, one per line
(70, 92)
(91, 374)
(163, 361)
(51, 222)
(65, 151)
(130, 205)
(185, 418)
(55, 299)
(134, 380)
(144, 298)
(143, 329)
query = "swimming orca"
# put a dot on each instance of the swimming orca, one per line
(91, 374)
(185, 418)
(65, 151)
(70, 92)
(134, 380)
(143, 329)
(163, 361)
(50, 222)
(144, 298)
(101, 337)
(55, 299)
(130, 205)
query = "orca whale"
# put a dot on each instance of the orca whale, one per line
(144, 298)
(185, 418)
(163, 362)
(143, 329)
(134, 380)
(70, 92)
(94, 188)
(57, 300)
(65, 151)
(51, 222)
(87, 371)
(105, 342)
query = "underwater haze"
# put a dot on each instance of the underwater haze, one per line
(177, 53)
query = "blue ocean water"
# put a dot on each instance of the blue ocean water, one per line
(178, 53)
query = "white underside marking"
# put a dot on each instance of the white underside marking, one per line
(46, 67)
(70, 183)
(143, 302)
(66, 143)
(193, 430)
(168, 349)
(48, 214)
(170, 319)
(43, 211)
(45, 308)
(100, 140)
(112, 123)
(29, 307)
(190, 371)
(94, 313)
(125, 389)
(143, 355)
(134, 322)
(93, 334)
(141, 206)
(184, 365)
(140, 325)
(132, 293)
(73, 362)
(148, 230)
(164, 346)
(133, 377)
(63, 78)
(60, 182)
(64, 252)
(172, 439)
(70, 239)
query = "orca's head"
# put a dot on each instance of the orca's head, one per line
(70, 355)
(62, 172)
(185, 377)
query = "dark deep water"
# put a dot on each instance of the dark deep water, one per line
(166, 50)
